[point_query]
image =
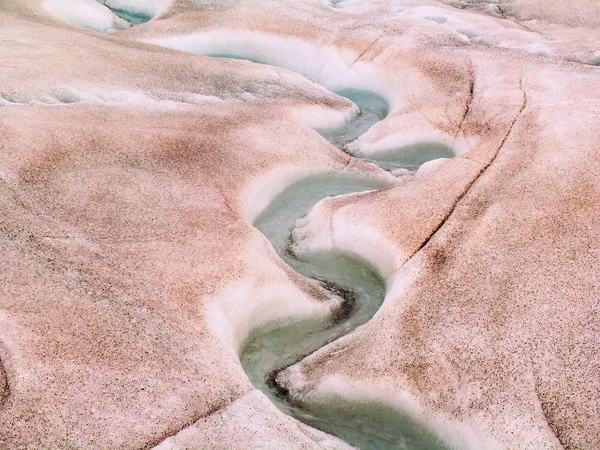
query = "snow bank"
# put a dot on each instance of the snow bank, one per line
(406, 140)
(261, 192)
(323, 230)
(86, 13)
(328, 66)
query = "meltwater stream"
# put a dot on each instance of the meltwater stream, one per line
(373, 108)
(368, 426)
(364, 425)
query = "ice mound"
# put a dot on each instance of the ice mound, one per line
(344, 224)
(499, 379)
(323, 65)
(87, 13)
(253, 419)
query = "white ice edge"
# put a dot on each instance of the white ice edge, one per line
(150, 8)
(260, 192)
(325, 229)
(457, 433)
(239, 309)
(406, 139)
(328, 66)
(324, 118)
(86, 13)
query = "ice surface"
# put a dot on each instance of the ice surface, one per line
(252, 419)
(130, 175)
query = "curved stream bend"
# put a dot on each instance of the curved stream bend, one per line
(373, 108)
(264, 355)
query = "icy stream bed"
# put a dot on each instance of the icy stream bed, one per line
(373, 108)
(364, 425)
(265, 354)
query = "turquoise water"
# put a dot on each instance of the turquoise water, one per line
(373, 108)
(132, 18)
(410, 158)
(372, 426)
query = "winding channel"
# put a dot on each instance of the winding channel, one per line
(264, 355)
(368, 426)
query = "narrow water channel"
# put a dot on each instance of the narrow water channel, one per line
(368, 426)
(363, 425)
